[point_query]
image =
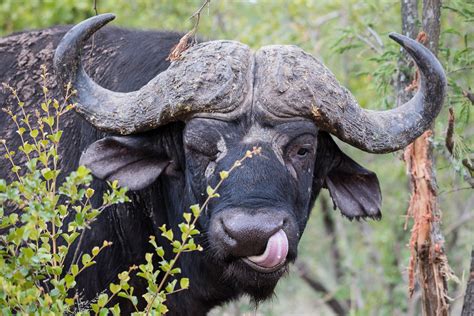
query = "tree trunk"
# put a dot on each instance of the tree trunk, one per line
(428, 260)
(468, 306)
(409, 11)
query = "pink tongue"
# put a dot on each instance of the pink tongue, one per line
(275, 253)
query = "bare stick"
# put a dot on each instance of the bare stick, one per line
(449, 142)
(183, 43)
(469, 95)
(338, 307)
(330, 228)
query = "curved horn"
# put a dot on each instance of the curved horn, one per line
(211, 77)
(303, 86)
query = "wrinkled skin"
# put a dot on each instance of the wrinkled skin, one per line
(171, 166)
(274, 190)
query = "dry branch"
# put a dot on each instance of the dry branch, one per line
(330, 228)
(449, 142)
(469, 95)
(338, 307)
(189, 39)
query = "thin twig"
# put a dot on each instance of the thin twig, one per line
(454, 190)
(469, 95)
(459, 69)
(467, 163)
(449, 142)
(369, 43)
(326, 18)
(462, 220)
(338, 307)
(376, 36)
(183, 43)
(330, 228)
(93, 35)
(197, 14)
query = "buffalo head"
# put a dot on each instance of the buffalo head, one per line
(231, 99)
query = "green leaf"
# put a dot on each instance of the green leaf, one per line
(56, 137)
(74, 269)
(86, 258)
(34, 133)
(187, 217)
(44, 106)
(21, 131)
(47, 173)
(114, 288)
(69, 301)
(170, 287)
(212, 192)
(163, 309)
(184, 283)
(224, 174)
(194, 232)
(168, 234)
(160, 251)
(196, 209)
(13, 217)
(209, 191)
(148, 257)
(89, 193)
(95, 251)
(95, 308)
(116, 310)
(49, 120)
(175, 271)
(70, 281)
(102, 300)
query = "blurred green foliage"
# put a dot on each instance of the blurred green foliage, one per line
(351, 38)
(36, 241)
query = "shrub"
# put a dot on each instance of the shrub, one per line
(42, 216)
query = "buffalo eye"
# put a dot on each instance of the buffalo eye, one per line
(302, 152)
(202, 136)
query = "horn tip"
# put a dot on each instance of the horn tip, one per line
(107, 16)
(399, 38)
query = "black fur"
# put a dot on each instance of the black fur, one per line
(125, 60)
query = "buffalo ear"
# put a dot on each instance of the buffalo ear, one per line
(128, 159)
(353, 189)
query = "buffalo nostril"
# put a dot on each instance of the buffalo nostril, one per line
(247, 234)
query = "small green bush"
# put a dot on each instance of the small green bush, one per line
(38, 230)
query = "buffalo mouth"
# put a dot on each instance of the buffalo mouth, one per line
(274, 256)
(261, 269)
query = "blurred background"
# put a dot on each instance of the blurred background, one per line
(360, 266)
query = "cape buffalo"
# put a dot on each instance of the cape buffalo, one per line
(171, 127)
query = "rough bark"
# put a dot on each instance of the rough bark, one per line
(468, 306)
(409, 12)
(428, 260)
